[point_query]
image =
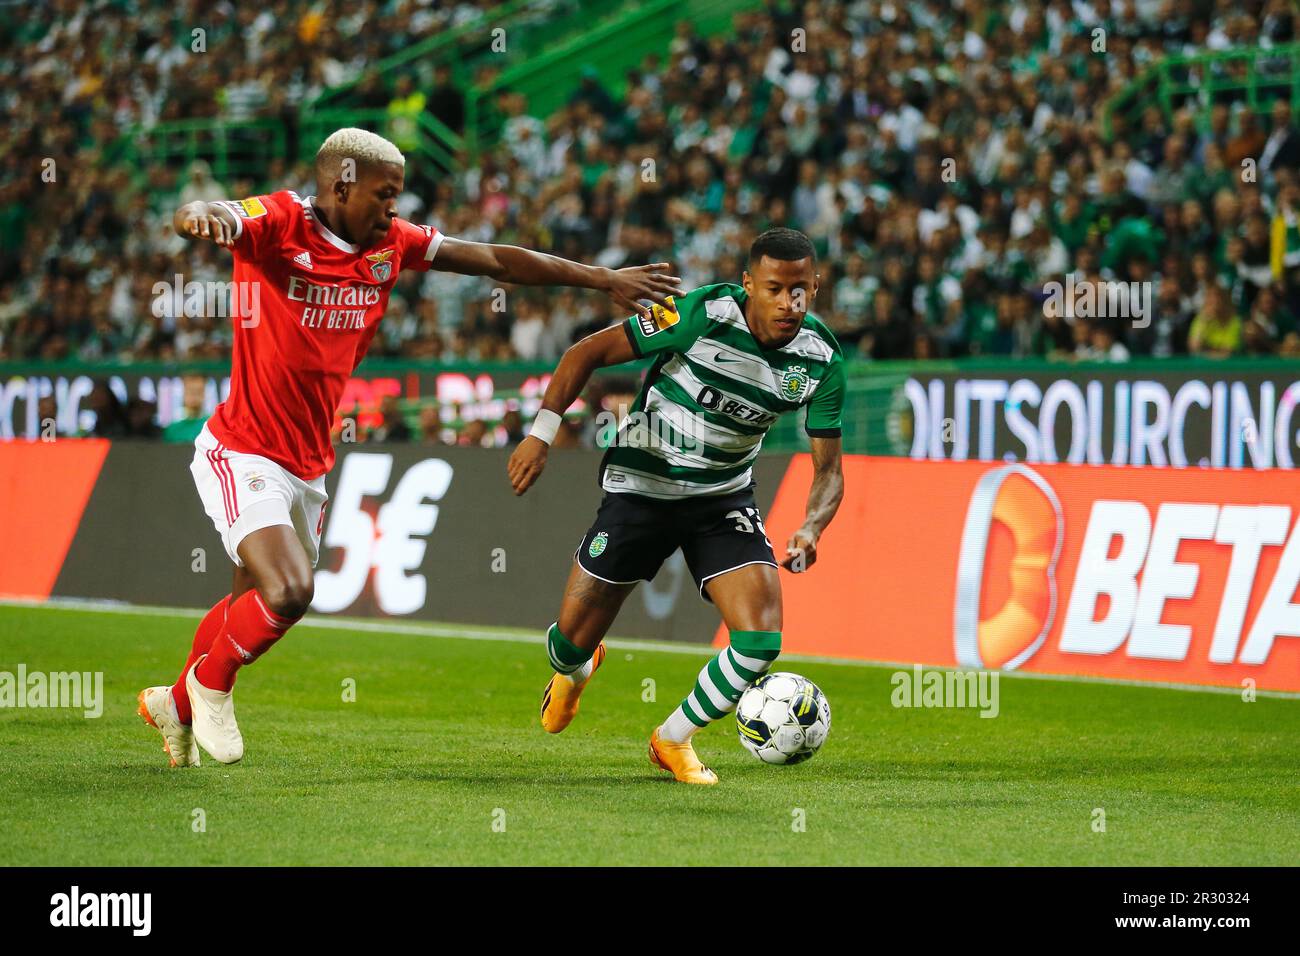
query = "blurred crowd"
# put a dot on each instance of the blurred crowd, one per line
(946, 156)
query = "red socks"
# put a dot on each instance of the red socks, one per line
(231, 634)
(250, 629)
(207, 631)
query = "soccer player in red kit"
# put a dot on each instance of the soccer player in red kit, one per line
(312, 278)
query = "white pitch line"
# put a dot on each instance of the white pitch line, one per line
(511, 635)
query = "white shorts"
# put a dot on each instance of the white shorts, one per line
(245, 493)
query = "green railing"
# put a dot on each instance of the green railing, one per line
(610, 48)
(234, 149)
(543, 60)
(435, 142)
(503, 37)
(470, 46)
(245, 149)
(1254, 75)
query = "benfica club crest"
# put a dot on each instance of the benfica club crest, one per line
(380, 265)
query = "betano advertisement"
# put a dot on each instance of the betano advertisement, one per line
(1153, 574)
(1183, 576)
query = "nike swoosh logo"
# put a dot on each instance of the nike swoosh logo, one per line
(723, 359)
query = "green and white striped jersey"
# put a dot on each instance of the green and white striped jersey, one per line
(713, 392)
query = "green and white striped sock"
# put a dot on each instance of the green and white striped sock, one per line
(721, 682)
(566, 657)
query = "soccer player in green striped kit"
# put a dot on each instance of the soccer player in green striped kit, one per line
(728, 359)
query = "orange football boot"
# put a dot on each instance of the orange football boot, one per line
(561, 698)
(680, 760)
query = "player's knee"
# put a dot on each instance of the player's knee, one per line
(757, 645)
(290, 596)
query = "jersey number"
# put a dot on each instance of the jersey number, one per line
(747, 520)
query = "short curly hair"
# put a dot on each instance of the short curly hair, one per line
(362, 146)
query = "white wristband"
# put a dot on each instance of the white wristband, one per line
(545, 425)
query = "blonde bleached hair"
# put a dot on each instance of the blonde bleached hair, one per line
(362, 146)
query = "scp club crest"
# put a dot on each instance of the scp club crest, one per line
(794, 383)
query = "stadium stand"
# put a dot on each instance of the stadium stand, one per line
(950, 160)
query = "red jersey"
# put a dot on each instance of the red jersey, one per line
(305, 306)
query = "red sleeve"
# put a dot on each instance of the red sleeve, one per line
(259, 222)
(419, 245)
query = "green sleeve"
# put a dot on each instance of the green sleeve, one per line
(826, 409)
(665, 330)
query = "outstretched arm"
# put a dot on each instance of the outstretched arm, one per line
(608, 347)
(823, 501)
(205, 220)
(526, 267)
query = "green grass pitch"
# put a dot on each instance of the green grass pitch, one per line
(443, 742)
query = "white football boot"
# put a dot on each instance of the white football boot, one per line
(214, 719)
(159, 711)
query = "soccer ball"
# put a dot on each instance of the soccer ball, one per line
(783, 718)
